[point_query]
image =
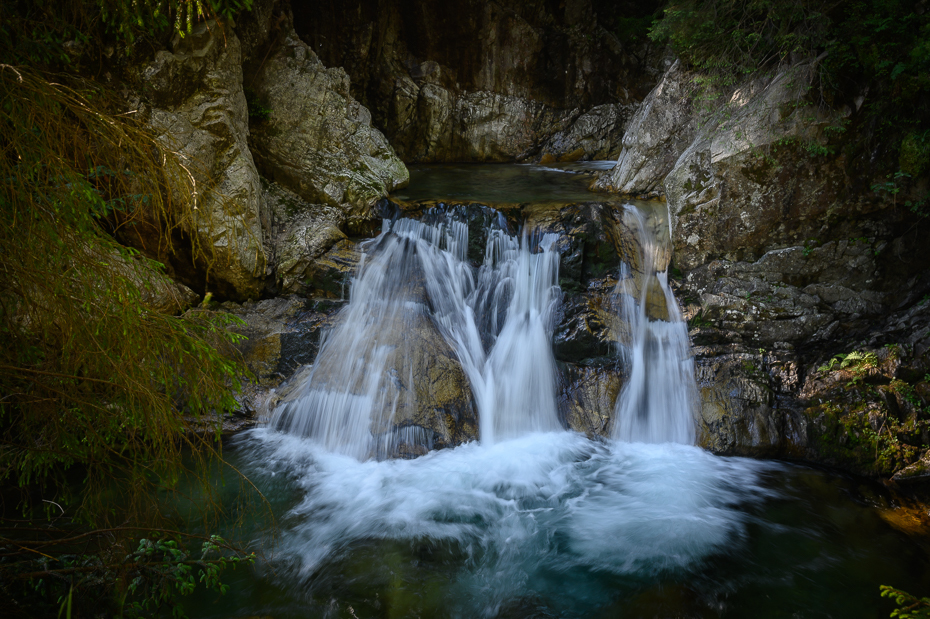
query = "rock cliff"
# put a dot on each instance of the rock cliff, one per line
(786, 255)
(487, 81)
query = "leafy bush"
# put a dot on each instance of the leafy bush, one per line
(871, 56)
(98, 390)
(52, 33)
(911, 606)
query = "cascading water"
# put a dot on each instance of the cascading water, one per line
(517, 385)
(497, 321)
(529, 523)
(657, 403)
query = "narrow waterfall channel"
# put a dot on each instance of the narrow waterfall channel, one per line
(449, 325)
(658, 402)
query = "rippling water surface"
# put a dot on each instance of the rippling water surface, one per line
(557, 525)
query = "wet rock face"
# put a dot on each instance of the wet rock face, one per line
(737, 414)
(281, 335)
(867, 411)
(198, 107)
(317, 140)
(785, 257)
(587, 394)
(596, 134)
(660, 130)
(304, 239)
(485, 81)
(431, 391)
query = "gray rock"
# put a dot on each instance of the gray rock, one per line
(484, 81)
(662, 128)
(302, 234)
(587, 395)
(318, 141)
(917, 472)
(436, 124)
(596, 134)
(199, 111)
(737, 415)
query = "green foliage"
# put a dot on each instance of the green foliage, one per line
(914, 157)
(730, 38)
(892, 186)
(855, 360)
(55, 33)
(809, 247)
(258, 108)
(145, 582)
(876, 49)
(910, 607)
(101, 394)
(162, 571)
(130, 18)
(699, 321)
(93, 380)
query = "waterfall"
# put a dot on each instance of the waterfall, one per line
(415, 276)
(657, 403)
(517, 388)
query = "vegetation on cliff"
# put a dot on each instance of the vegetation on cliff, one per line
(98, 390)
(873, 54)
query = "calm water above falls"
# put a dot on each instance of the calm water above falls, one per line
(535, 521)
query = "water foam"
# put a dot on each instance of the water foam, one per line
(517, 512)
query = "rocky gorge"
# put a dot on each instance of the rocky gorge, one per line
(805, 287)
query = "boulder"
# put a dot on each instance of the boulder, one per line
(318, 141)
(430, 390)
(302, 233)
(435, 124)
(199, 110)
(282, 335)
(748, 182)
(737, 414)
(662, 128)
(918, 471)
(595, 134)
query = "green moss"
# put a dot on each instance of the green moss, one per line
(914, 155)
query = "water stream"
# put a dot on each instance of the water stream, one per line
(658, 402)
(534, 520)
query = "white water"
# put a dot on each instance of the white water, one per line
(516, 515)
(657, 403)
(498, 322)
